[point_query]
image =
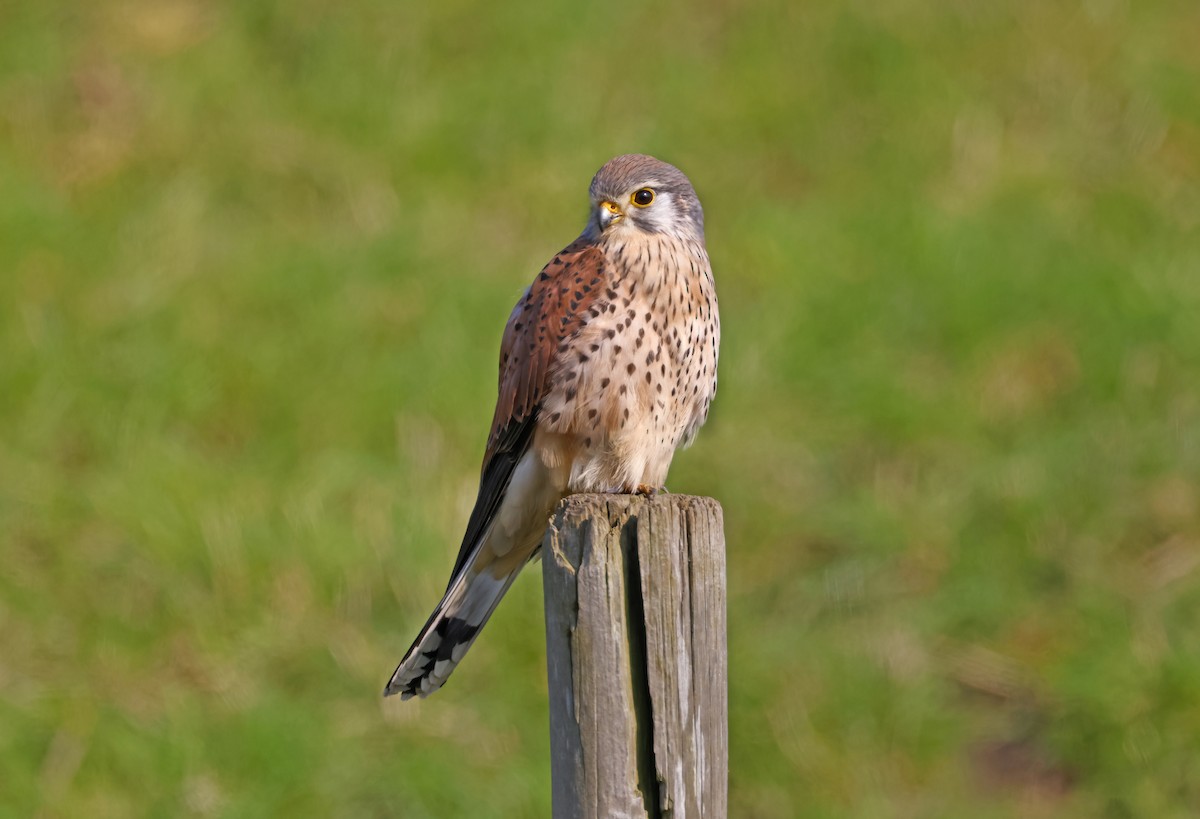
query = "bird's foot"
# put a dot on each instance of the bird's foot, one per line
(643, 489)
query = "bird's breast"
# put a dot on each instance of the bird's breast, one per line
(636, 379)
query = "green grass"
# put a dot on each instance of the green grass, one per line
(255, 259)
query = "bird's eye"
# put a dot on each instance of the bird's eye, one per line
(642, 197)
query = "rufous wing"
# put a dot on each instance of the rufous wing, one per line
(565, 295)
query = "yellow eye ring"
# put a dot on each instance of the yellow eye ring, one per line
(642, 197)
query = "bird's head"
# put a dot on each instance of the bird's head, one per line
(635, 192)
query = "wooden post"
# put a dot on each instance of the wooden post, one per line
(636, 656)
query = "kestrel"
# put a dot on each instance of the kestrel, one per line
(607, 366)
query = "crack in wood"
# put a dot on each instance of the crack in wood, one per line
(639, 665)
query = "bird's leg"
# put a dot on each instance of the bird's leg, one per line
(647, 490)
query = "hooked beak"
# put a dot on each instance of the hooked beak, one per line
(608, 213)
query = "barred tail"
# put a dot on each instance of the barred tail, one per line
(504, 534)
(450, 631)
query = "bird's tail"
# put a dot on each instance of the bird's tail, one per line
(517, 494)
(469, 601)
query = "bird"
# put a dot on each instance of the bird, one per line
(608, 364)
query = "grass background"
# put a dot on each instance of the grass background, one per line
(255, 258)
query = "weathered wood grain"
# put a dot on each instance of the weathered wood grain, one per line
(636, 657)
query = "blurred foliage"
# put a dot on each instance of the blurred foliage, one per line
(255, 258)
